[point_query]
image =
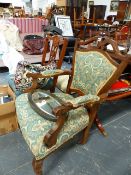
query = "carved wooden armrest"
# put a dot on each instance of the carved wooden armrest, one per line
(61, 112)
(44, 74)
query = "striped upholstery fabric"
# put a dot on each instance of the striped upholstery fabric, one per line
(29, 25)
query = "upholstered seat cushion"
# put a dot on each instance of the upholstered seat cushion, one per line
(18, 92)
(12, 86)
(34, 127)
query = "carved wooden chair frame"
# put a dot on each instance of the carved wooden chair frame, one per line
(56, 42)
(61, 111)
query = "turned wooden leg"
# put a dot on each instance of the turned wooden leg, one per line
(100, 127)
(85, 135)
(37, 166)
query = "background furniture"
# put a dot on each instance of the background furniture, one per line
(121, 39)
(121, 12)
(99, 12)
(78, 5)
(54, 56)
(119, 56)
(111, 18)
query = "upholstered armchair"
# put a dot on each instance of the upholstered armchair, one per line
(92, 75)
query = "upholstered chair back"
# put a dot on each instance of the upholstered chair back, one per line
(91, 71)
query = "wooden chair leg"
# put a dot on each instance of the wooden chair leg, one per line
(37, 166)
(85, 135)
(100, 127)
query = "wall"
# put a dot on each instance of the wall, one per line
(17, 3)
(36, 4)
(61, 2)
(102, 2)
(5, 1)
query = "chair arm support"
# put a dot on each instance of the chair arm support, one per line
(103, 97)
(75, 103)
(50, 138)
(61, 112)
(48, 73)
(45, 74)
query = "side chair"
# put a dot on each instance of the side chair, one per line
(92, 75)
(54, 51)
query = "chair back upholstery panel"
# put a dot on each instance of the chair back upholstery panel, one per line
(92, 70)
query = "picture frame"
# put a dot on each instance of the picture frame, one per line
(64, 23)
(114, 6)
(91, 3)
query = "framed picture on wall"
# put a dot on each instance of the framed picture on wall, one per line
(114, 6)
(91, 3)
(64, 23)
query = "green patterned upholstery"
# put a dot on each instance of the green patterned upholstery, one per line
(91, 74)
(81, 100)
(62, 82)
(52, 72)
(34, 127)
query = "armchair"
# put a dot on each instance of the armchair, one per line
(92, 75)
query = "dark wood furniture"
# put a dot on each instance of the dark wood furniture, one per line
(78, 5)
(111, 18)
(99, 12)
(121, 38)
(121, 12)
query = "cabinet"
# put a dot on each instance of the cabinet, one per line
(98, 11)
(78, 5)
(121, 10)
(5, 5)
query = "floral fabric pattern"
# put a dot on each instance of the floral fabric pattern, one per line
(91, 72)
(24, 67)
(81, 100)
(34, 127)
